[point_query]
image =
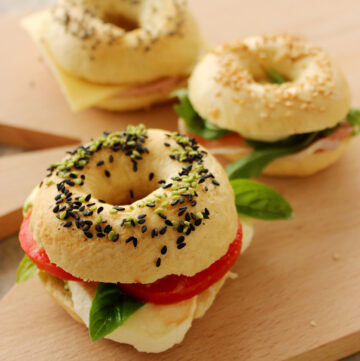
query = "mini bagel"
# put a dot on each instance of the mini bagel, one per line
(140, 200)
(230, 88)
(89, 40)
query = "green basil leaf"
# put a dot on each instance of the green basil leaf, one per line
(194, 123)
(110, 309)
(276, 77)
(257, 200)
(353, 118)
(27, 268)
(252, 164)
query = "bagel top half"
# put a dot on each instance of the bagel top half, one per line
(91, 39)
(135, 206)
(230, 88)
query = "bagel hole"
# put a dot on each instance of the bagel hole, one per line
(121, 21)
(269, 76)
(127, 195)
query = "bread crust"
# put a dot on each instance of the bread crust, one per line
(135, 255)
(228, 87)
(87, 43)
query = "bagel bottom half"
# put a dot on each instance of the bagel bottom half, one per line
(153, 328)
(116, 103)
(296, 165)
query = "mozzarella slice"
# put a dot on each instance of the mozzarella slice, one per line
(155, 328)
(80, 94)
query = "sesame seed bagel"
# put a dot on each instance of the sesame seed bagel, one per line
(135, 206)
(124, 41)
(230, 88)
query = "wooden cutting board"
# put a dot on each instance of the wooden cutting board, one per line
(296, 297)
(298, 291)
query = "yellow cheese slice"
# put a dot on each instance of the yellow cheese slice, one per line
(79, 93)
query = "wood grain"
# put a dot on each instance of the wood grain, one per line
(295, 272)
(22, 173)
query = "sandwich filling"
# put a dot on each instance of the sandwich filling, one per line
(150, 326)
(256, 155)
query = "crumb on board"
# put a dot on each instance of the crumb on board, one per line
(336, 257)
(313, 323)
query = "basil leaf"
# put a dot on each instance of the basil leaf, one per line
(353, 118)
(27, 268)
(252, 164)
(110, 309)
(257, 200)
(276, 77)
(194, 123)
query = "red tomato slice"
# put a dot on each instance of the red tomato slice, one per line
(173, 288)
(228, 140)
(38, 255)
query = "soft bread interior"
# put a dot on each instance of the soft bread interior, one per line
(153, 328)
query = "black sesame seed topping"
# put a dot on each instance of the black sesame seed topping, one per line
(180, 239)
(107, 228)
(88, 234)
(162, 215)
(151, 176)
(154, 233)
(111, 158)
(163, 230)
(107, 173)
(68, 224)
(99, 163)
(158, 262)
(143, 229)
(181, 245)
(116, 237)
(118, 208)
(215, 182)
(87, 198)
(163, 250)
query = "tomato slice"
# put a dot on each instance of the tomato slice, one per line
(173, 288)
(38, 255)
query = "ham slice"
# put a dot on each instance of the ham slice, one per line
(328, 143)
(163, 85)
(234, 143)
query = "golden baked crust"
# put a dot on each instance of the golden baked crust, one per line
(228, 87)
(86, 41)
(138, 255)
(298, 166)
(55, 287)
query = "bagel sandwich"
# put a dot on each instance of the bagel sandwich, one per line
(135, 233)
(269, 104)
(117, 55)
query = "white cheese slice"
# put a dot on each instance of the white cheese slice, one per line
(80, 94)
(155, 328)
